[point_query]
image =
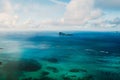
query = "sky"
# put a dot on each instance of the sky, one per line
(60, 15)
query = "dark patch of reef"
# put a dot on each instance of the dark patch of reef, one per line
(53, 69)
(89, 77)
(13, 70)
(107, 75)
(45, 73)
(24, 65)
(51, 60)
(78, 70)
(47, 78)
(42, 78)
(74, 77)
(0, 63)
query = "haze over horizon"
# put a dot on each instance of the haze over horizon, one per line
(43, 15)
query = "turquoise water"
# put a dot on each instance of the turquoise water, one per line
(48, 56)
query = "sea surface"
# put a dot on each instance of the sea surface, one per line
(50, 56)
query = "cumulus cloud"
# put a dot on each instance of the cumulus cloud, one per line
(106, 23)
(115, 21)
(7, 18)
(6, 6)
(78, 12)
(85, 13)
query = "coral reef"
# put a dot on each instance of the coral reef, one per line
(73, 77)
(78, 70)
(52, 60)
(30, 65)
(42, 78)
(30, 78)
(46, 78)
(52, 69)
(24, 65)
(0, 63)
(107, 75)
(45, 73)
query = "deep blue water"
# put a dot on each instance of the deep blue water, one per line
(83, 56)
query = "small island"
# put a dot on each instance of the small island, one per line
(64, 34)
(1, 48)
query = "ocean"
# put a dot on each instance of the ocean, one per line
(83, 55)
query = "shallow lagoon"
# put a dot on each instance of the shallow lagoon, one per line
(48, 56)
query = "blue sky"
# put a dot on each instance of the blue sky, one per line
(60, 14)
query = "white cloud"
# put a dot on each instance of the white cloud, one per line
(107, 23)
(83, 14)
(78, 12)
(7, 17)
(6, 5)
(115, 21)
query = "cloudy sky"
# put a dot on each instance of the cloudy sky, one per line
(60, 15)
